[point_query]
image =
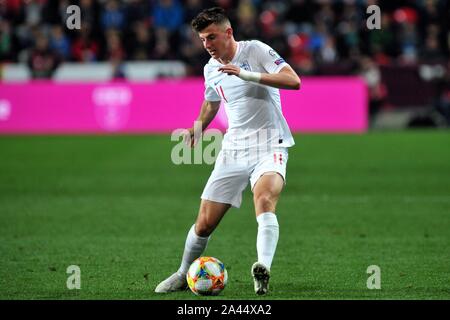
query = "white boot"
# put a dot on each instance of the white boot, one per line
(176, 282)
(261, 276)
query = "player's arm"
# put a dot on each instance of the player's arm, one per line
(208, 111)
(286, 78)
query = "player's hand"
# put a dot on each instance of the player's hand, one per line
(190, 138)
(230, 69)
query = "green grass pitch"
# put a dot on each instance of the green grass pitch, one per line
(117, 207)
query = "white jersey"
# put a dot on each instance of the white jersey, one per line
(253, 110)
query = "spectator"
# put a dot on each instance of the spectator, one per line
(432, 53)
(193, 53)
(43, 60)
(382, 41)
(327, 53)
(442, 102)
(142, 41)
(137, 10)
(7, 41)
(300, 12)
(115, 54)
(408, 42)
(90, 14)
(114, 48)
(168, 14)
(85, 48)
(112, 16)
(163, 49)
(192, 8)
(60, 43)
(32, 12)
(118, 69)
(314, 36)
(299, 56)
(246, 21)
(377, 90)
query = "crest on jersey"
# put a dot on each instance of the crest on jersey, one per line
(274, 54)
(245, 66)
(279, 60)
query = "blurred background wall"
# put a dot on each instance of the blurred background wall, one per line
(405, 65)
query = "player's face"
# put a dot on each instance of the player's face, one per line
(215, 39)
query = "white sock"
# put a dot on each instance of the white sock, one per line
(193, 249)
(267, 239)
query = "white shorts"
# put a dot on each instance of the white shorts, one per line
(233, 170)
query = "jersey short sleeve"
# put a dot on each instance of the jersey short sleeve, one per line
(210, 93)
(269, 59)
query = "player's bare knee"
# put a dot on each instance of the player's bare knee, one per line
(205, 225)
(203, 229)
(265, 202)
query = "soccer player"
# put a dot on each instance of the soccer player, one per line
(246, 75)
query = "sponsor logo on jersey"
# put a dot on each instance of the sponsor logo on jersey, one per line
(245, 66)
(279, 61)
(217, 82)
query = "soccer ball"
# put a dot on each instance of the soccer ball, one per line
(207, 276)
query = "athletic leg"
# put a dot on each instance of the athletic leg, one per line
(208, 218)
(265, 196)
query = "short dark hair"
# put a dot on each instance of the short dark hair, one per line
(209, 16)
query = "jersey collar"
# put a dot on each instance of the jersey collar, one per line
(238, 51)
(236, 54)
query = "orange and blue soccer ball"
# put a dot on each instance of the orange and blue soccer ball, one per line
(207, 276)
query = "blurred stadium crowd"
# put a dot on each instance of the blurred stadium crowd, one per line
(316, 37)
(323, 37)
